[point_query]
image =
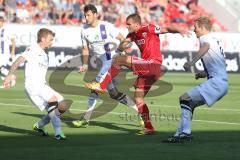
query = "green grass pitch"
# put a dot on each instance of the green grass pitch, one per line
(112, 135)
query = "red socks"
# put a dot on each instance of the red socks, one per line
(112, 72)
(144, 112)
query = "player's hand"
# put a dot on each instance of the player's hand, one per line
(9, 81)
(83, 68)
(120, 52)
(200, 74)
(187, 66)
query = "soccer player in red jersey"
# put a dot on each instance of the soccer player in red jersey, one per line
(148, 67)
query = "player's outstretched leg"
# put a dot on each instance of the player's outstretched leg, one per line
(101, 87)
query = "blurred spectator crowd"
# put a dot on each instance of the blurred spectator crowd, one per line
(70, 12)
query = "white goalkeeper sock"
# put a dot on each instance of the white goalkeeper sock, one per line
(44, 121)
(92, 101)
(186, 118)
(55, 120)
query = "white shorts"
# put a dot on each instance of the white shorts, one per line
(209, 92)
(41, 95)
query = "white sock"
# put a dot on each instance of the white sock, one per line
(180, 128)
(55, 120)
(92, 100)
(44, 121)
(186, 118)
(88, 113)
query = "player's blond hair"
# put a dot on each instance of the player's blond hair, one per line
(44, 32)
(204, 22)
(135, 17)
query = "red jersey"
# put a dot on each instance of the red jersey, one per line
(147, 40)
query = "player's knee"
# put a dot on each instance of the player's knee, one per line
(185, 100)
(184, 97)
(139, 101)
(121, 60)
(116, 60)
(51, 106)
(62, 107)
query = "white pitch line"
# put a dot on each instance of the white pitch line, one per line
(156, 105)
(15, 99)
(10, 104)
(169, 106)
(118, 113)
(217, 122)
(215, 109)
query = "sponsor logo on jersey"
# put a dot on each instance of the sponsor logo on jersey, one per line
(140, 42)
(96, 37)
(144, 34)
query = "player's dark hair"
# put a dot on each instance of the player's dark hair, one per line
(135, 17)
(204, 22)
(44, 32)
(90, 7)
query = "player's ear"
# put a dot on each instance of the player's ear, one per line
(43, 39)
(96, 15)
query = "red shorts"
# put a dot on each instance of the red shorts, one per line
(148, 72)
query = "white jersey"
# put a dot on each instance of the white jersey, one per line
(214, 60)
(36, 66)
(102, 39)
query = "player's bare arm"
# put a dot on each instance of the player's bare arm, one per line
(13, 47)
(202, 51)
(85, 56)
(13, 68)
(124, 44)
(16, 64)
(175, 29)
(120, 37)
